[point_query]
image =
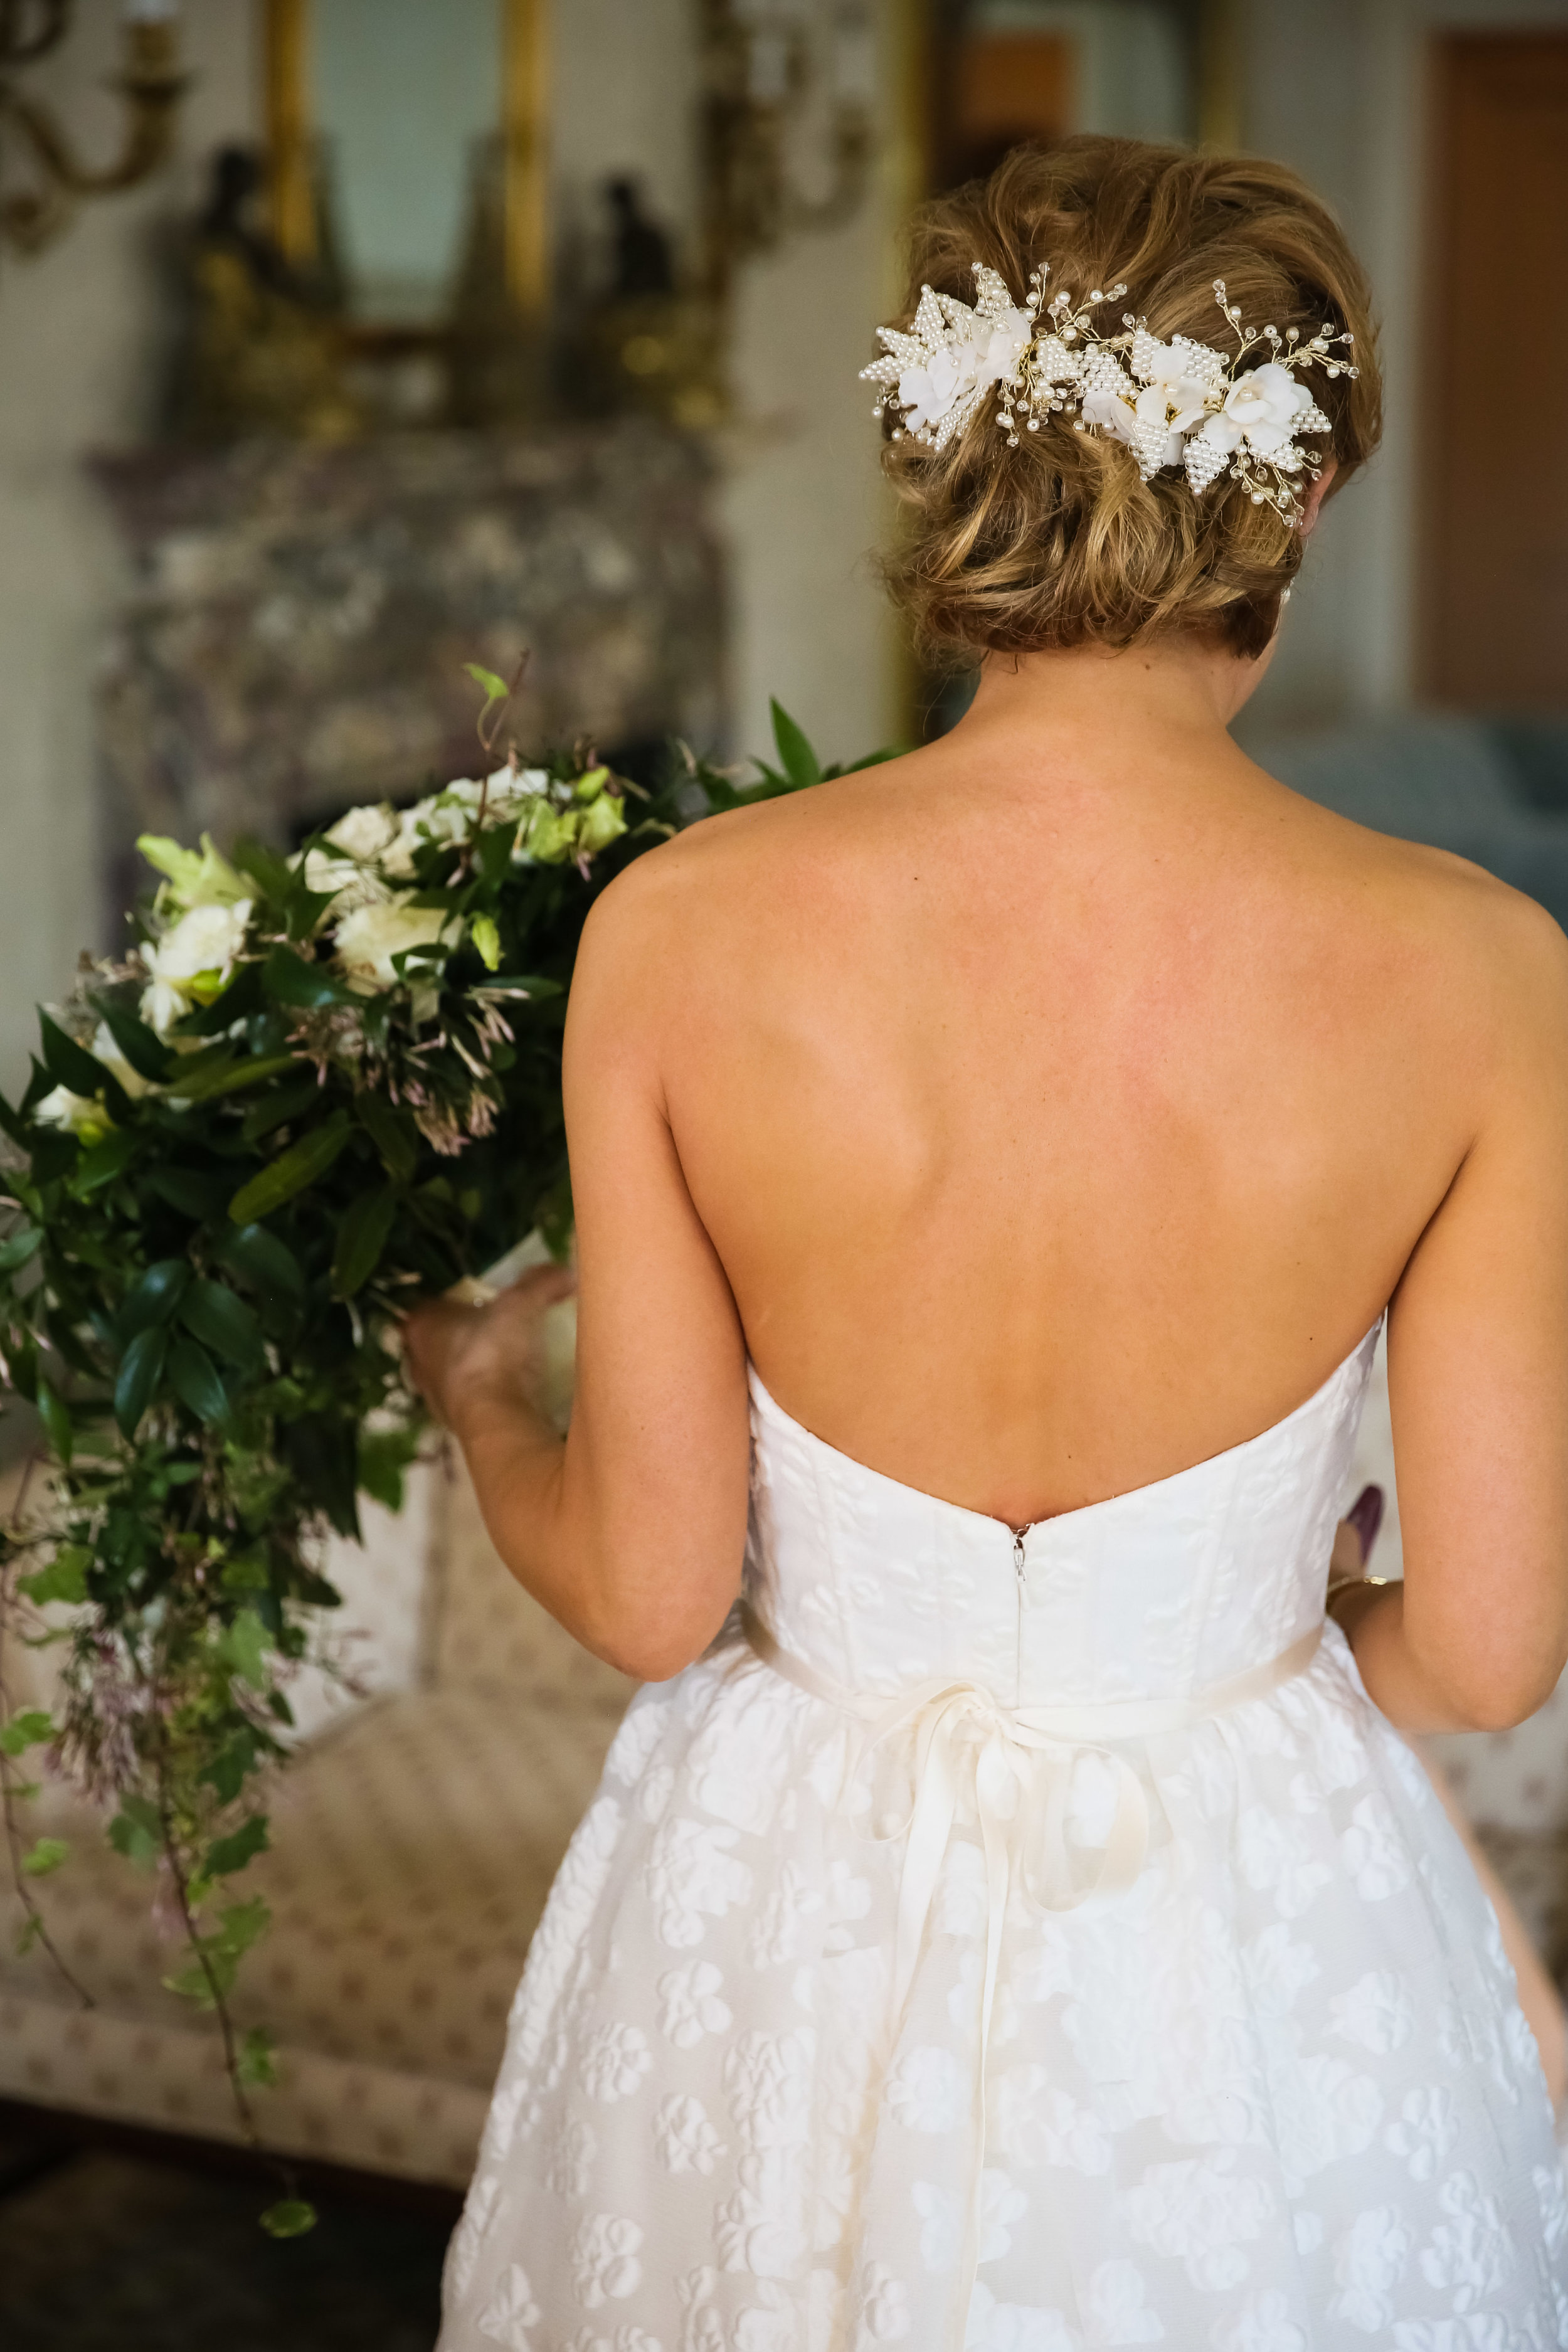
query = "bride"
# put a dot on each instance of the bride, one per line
(1016, 1920)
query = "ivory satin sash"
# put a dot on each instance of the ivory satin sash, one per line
(1016, 1765)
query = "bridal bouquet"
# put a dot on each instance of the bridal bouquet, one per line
(317, 1086)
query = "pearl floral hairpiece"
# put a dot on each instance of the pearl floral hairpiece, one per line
(1181, 404)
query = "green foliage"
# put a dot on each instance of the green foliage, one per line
(289, 2218)
(64, 1578)
(221, 1195)
(28, 1729)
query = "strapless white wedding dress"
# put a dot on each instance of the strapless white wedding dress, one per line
(1019, 1944)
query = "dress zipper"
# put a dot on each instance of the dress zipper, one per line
(1018, 1535)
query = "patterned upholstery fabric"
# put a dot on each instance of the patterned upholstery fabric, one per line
(412, 1845)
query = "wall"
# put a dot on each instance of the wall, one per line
(82, 338)
(82, 330)
(802, 495)
(1337, 91)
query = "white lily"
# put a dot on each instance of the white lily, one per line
(80, 1114)
(104, 1049)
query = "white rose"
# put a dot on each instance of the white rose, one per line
(397, 858)
(1264, 405)
(369, 938)
(193, 962)
(363, 833)
(324, 872)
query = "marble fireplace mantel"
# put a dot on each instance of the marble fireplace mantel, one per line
(294, 638)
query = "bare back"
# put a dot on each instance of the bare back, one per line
(1041, 1113)
(1059, 1129)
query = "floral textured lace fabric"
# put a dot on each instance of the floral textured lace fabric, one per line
(1275, 2094)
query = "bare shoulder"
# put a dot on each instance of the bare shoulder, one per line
(714, 877)
(1484, 955)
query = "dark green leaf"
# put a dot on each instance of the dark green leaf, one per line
(273, 879)
(230, 1077)
(242, 1925)
(104, 1162)
(384, 1455)
(392, 1131)
(260, 1258)
(555, 1216)
(190, 1192)
(54, 1414)
(155, 1298)
(256, 2063)
(64, 1579)
(70, 1065)
(227, 1854)
(362, 1237)
(221, 1318)
(324, 1456)
(245, 1647)
(288, 1101)
(141, 1047)
(136, 1832)
(18, 1248)
(289, 980)
(531, 985)
(15, 1125)
(193, 1378)
(289, 2218)
(141, 1368)
(227, 1771)
(799, 762)
(291, 1171)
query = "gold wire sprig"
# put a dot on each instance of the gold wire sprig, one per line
(1030, 393)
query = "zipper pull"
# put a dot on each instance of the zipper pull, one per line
(1018, 1535)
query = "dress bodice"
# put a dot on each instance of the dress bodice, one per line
(1161, 1592)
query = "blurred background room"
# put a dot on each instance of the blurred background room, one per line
(342, 341)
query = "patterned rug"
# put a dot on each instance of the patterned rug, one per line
(104, 2252)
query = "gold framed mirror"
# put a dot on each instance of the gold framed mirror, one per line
(374, 110)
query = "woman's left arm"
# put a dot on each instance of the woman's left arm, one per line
(631, 1531)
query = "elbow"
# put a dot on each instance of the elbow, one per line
(1500, 1700)
(651, 1651)
(1499, 1710)
(652, 1661)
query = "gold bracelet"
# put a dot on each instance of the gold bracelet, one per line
(1338, 1584)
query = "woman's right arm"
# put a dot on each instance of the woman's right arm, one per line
(1477, 1636)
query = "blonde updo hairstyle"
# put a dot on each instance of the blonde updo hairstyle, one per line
(1058, 542)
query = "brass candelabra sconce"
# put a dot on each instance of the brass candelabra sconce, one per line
(53, 177)
(781, 78)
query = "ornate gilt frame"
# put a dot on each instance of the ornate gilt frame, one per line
(524, 126)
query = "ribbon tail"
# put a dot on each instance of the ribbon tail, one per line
(931, 1826)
